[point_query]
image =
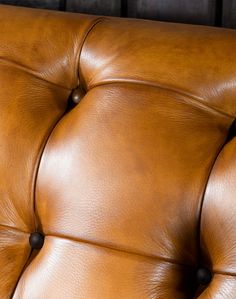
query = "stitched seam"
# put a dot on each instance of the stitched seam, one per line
(224, 273)
(77, 59)
(78, 71)
(34, 181)
(121, 250)
(194, 99)
(38, 161)
(31, 72)
(21, 273)
(201, 203)
(13, 228)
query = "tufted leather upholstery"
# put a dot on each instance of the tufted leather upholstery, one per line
(133, 186)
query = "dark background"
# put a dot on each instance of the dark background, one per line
(220, 13)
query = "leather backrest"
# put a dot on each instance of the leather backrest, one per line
(133, 187)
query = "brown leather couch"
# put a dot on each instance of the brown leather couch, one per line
(118, 158)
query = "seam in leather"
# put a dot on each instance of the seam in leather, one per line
(20, 275)
(201, 202)
(33, 183)
(14, 229)
(38, 159)
(224, 273)
(31, 72)
(78, 72)
(122, 250)
(194, 99)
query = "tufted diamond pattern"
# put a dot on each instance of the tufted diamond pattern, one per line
(117, 171)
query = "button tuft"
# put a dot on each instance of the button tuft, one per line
(77, 95)
(203, 276)
(36, 240)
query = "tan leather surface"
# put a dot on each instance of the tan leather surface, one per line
(44, 43)
(22, 134)
(218, 218)
(222, 287)
(110, 185)
(198, 61)
(70, 269)
(133, 187)
(14, 252)
(31, 101)
(117, 196)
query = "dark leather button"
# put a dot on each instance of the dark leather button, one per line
(204, 276)
(36, 240)
(77, 95)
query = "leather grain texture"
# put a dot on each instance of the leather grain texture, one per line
(133, 185)
(33, 97)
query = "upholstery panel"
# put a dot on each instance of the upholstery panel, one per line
(218, 214)
(44, 53)
(26, 120)
(29, 110)
(14, 252)
(38, 69)
(117, 183)
(222, 287)
(108, 160)
(173, 56)
(97, 272)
